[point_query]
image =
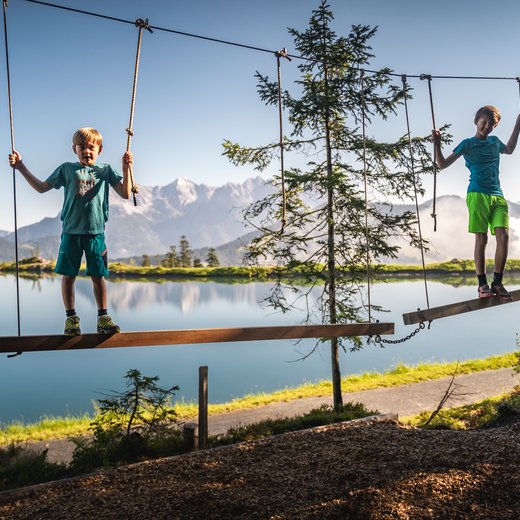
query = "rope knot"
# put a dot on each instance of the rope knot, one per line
(426, 76)
(135, 189)
(143, 24)
(283, 54)
(129, 131)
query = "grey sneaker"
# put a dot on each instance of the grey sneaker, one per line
(105, 325)
(501, 291)
(485, 292)
(72, 326)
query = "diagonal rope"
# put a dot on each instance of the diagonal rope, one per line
(433, 214)
(281, 54)
(11, 126)
(412, 170)
(367, 239)
(141, 24)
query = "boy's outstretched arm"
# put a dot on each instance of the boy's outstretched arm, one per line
(511, 144)
(123, 189)
(442, 162)
(15, 161)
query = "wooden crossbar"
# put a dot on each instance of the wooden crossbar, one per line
(457, 308)
(186, 337)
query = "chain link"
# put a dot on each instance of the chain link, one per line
(379, 339)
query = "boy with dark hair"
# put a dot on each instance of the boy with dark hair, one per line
(486, 203)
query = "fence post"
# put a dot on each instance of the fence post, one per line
(203, 407)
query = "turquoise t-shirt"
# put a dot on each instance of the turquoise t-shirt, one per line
(85, 204)
(482, 158)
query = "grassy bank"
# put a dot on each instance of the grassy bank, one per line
(457, 267)
(51, 428)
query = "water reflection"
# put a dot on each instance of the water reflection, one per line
(55, 383)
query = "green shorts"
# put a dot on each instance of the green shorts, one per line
(71, 253)
(486, 212)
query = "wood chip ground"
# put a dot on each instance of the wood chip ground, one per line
(363, 471)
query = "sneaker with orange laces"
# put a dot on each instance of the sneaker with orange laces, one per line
(484, 291)
(501, 291)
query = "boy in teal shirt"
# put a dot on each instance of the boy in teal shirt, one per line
(486, 203)
(86, 185)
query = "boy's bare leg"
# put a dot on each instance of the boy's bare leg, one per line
(502, 237)
(100, 291)
(480, 252)
(67, 291)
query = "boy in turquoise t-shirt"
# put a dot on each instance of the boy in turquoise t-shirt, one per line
(486, 203)
(86, 185)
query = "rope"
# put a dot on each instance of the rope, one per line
(363, 121)
(412, 170)
(281, 54)
(433, 214)
(11, 126)
(250, 47)
(141, 24)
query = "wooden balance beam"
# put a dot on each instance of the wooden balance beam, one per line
(457, 308)
(186, 337)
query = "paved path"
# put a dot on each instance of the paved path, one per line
(402, 400)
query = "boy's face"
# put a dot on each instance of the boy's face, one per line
(87, 152)
(485, 125)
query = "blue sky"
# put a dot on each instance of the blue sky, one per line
(70, 70)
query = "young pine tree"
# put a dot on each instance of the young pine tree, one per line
(325, 235)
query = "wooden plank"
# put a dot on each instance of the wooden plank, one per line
(457, 308)
(188, 336)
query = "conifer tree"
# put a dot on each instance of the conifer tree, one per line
(325, 235)
(185, 252)
(212, 258)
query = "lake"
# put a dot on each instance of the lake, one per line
(35, 385)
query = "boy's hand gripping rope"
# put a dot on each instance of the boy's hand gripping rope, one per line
(140, 24)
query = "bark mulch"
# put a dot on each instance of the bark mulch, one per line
(347, 471)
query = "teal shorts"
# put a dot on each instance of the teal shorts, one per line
(71, 253)
(486, 212)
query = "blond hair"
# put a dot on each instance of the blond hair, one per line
(489, 111)
(84, 135)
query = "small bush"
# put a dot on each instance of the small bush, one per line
(21, 466)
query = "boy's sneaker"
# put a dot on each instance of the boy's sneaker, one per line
(72, 326)
(501, 291)
(484, 291)
(105, 325)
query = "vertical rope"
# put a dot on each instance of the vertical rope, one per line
(141, 24)
(11, 125)
(281, 54)
(412, 170)
(367, 239)
(433, 214)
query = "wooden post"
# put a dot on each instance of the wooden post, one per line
(190, 436)
(203, 407)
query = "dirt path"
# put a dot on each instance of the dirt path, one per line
(401, 400)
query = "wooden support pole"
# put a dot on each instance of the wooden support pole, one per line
(457, 308)
(203, 408)
(186, 337)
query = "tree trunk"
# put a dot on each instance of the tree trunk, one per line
(331, 261)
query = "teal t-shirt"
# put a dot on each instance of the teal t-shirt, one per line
(85, 204)
(482, 158)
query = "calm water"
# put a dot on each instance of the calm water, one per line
(58, 383)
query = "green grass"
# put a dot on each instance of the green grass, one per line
(51, 428)
(484, 414)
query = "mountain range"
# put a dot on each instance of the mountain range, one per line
(212, 217)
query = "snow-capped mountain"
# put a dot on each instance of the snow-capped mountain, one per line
(208, 216)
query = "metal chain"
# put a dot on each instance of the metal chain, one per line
(422, 325)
